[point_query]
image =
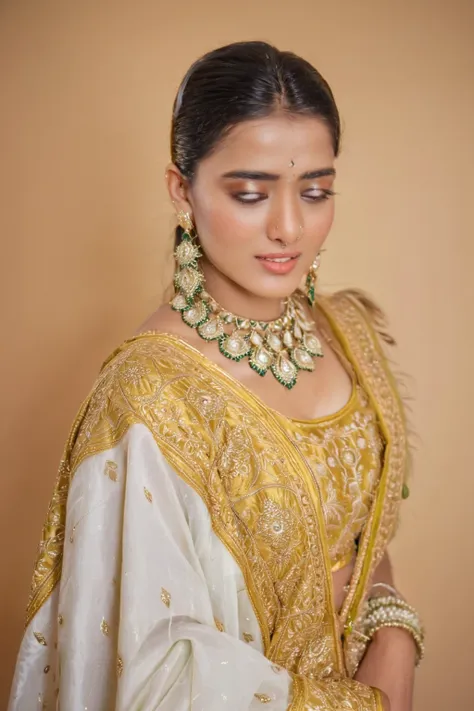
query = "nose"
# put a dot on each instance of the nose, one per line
(285, 222)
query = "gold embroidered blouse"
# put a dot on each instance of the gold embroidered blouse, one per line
(344, 451)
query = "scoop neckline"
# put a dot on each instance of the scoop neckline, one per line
(211, 365)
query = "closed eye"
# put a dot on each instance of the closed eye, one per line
(249, 198)
(318, 195)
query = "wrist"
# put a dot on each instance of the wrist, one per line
(394, 639)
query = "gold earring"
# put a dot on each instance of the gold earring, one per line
(185, 221)
(188, 278)
(311, 280)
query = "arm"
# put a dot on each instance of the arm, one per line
(389, 662)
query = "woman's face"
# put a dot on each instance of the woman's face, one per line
(265, 191)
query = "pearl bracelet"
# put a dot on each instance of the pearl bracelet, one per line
(393, 612)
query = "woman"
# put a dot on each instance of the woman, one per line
(218, 531)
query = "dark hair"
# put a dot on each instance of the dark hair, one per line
(240, 82)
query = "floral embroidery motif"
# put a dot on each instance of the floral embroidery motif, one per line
(104, 627)
(205, 402)
(110, 470)
(218, 624)
(248, 637)
(279, 529)
(263, 698)
(346, 474)
(165, 597)
(148, 494)
(235, 459)
(119, 666)
(40, 638)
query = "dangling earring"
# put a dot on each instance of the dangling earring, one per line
(311, 280)
(185, 221)
(188, 278)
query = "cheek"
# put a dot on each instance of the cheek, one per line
(225, 226)
(321, 222)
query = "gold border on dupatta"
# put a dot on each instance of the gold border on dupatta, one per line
(259, 586)
(352, 327)
(122, 398)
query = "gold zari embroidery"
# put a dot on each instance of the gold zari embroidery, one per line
(165, 597)
(263, 698)
(111, 470)
(359, 340)
(256, 484)
(148, 494)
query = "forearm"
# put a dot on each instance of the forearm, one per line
(390, 660)
(389, 665)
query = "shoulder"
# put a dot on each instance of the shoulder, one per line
(355, 309)
(140, 382)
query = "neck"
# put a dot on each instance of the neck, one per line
(237, 300)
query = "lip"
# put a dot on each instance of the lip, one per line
(279, 267)
(278, 255)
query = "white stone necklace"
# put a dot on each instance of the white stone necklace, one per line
(283, 346)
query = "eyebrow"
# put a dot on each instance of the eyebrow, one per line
(259, 175)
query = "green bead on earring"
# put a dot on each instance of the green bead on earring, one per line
(311, 279)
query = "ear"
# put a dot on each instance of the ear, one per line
(177, 188)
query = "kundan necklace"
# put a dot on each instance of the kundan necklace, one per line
(283, 346)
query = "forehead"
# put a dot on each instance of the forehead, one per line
(271, 143)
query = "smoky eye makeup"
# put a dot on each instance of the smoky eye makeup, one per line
(249, 197)
(247, 193)
(317, 194)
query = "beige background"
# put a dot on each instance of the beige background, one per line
(86, 90)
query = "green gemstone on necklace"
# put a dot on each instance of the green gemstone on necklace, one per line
(283, 346)
(260, 360)
(302, 359)
(234, 347)
(285, 371)
(179, 303)
(196, 315)
(211, 330)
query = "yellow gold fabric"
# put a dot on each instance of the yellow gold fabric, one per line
(344, 452)
(261, 486)
(354, 330)
(258, 489)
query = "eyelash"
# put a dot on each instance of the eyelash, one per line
(326, 194)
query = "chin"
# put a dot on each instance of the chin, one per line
(279, 289)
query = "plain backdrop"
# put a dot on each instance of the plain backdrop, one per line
(86, 94)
